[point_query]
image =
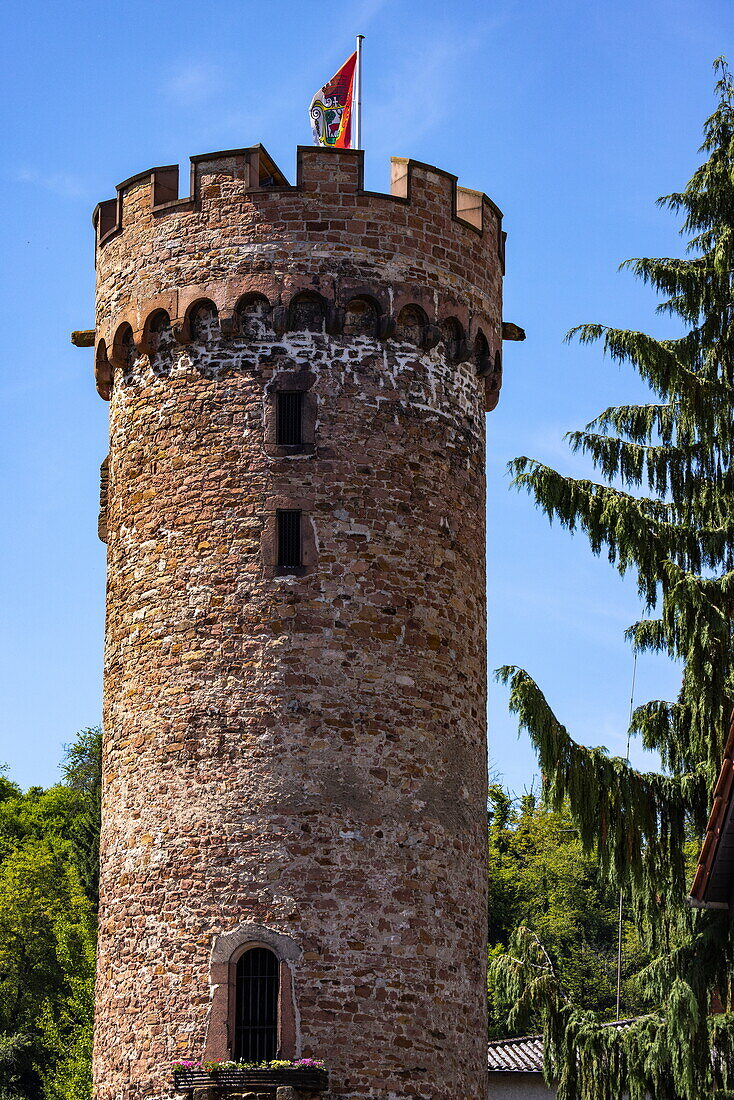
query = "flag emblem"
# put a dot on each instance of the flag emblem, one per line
(331, 108)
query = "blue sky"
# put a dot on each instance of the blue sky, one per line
(572, 116)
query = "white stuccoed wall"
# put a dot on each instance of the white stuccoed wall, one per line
(518, 1086)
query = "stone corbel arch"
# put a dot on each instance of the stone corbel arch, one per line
(227, 948)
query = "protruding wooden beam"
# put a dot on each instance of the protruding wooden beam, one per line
(512, 332)
(83, 338)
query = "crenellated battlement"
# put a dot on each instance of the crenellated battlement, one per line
(325, 172)
(430, 248)
(252, 166)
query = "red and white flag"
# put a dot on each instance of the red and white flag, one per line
(332, 108)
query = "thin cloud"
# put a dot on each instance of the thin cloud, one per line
(417, 97)
(350, 22)
(425, 89)
(592, 616)
(359, 16)
(192, 82)
(65, 184)
(366, 10)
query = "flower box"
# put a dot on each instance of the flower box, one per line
(234, 1079)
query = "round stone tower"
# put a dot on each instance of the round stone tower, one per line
(295, 683)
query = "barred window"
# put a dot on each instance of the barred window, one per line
(256, 1006)
(289, 418)
(289, 540)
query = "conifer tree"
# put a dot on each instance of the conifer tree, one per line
(663, 509)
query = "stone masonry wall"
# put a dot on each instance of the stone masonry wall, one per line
(302, 753)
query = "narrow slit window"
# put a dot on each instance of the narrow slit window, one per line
(289, 540)
(256, 1006)
(289, 419)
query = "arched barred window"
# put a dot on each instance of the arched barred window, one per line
(253, 1011)
(256, 1005)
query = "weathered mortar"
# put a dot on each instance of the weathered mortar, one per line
(306, 754)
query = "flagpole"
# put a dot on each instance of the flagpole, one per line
(358, 112)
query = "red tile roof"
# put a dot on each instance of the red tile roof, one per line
(524, 1055)
(714, 878)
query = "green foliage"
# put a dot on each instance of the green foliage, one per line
(18, 1077)
(540, 876)
(662, 510)
(640, 827)
(48, 840)
(82, 771)
(665, 1053)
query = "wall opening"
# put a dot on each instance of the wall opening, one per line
(289, 418)
(481, 355)
(204, 321)
(307, 313)
(253, 1011)
(361, 318)
(452, 335)
(123, 350)
(254, 316)
(257, 988)
(290, 550)
(411, 325)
